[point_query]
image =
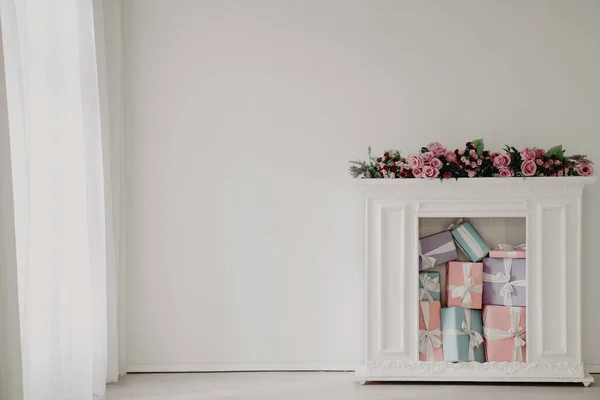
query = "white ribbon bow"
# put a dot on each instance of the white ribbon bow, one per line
(428, 258)
(464, 292)
(510, 247)
(509, 286)
(428, 339)
(475, 338)
(517, 332)
(429, 285)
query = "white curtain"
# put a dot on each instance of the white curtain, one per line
(60, 146)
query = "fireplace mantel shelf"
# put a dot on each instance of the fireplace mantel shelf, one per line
(553, 211)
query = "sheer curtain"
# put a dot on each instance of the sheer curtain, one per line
(62, 181)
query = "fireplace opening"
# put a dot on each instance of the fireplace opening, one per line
(472, 289)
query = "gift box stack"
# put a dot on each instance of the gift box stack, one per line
(485, 297)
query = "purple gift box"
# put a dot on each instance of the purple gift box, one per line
(504, 282)
(437, 249)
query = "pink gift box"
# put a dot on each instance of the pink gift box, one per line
(505, 333)
(507, 254)
(430, 333)
(464, 284)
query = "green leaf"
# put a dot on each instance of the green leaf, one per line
(557, 151)
(478, 143)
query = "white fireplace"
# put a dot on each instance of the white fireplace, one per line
(550, 213)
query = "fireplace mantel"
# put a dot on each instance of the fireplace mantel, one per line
(552, 208)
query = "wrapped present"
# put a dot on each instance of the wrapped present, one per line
(508, 251)
(436, 249)
(469, 240)
(464, 284)
(504, 282)
(462, 331)
(430, 333)
(429, 286)
(505, 333)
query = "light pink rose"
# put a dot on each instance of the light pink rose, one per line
(557, 162)
(417, 173)
(472, 152)
(471, 173)
(392, 175)
(395, 152)
(447, 175)
(436, 148)
(463, 159)
(506, 172)
(539, 153)
(550, 162)
(399, 164)
(528, 168)
(566, 170)
(430, 173)
(415, 161)
(502, 160)
(450, 157)
(546, 165)
(539, 162)
(493, 155)
(427, 157)
(461, 152)
(585, 169)
(436, 163)
(560, 173)
(478, 162)
(528, 154)
(473, 165)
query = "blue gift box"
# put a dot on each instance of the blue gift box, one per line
(470, 241)
(429, 286)
(462, 334)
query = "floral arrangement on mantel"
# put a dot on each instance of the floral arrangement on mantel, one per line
(435, 161)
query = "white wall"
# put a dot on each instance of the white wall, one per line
(245, 235)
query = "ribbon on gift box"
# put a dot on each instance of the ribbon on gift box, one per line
(511, 250)
(517, 332)
(429, 285)
(428, 339)
(429, 259)
(509, 286)
(475, 338)
(470, 241)
(464, 291)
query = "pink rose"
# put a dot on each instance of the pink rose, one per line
(430, 173)
(473, 165)
(550, 162)
(539, 162)
(478, 162)
(528, 168)
(450, 157)
(436, 163)
(447, 175)
(493, 155)
(539, 153)
(546, 165)
(557, 162)
(472, 152)
(471, 173)
(585, 169)
(566, 170)
(415, 161)
(399, 164)
(417, 173)
(506, 172)
(461, 152)
(528, 154)
(436, 148)
(427, 157)
(502, 160)
(392, 175)
(463, 159)
(395, 152)
(560, 173)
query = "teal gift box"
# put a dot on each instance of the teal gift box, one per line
(462, 331)
(470, 241)
(429, 286)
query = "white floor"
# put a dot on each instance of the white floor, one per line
(322, 385)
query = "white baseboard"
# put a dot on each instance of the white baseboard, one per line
(242, 367)
(592, 368)
(140, 368)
